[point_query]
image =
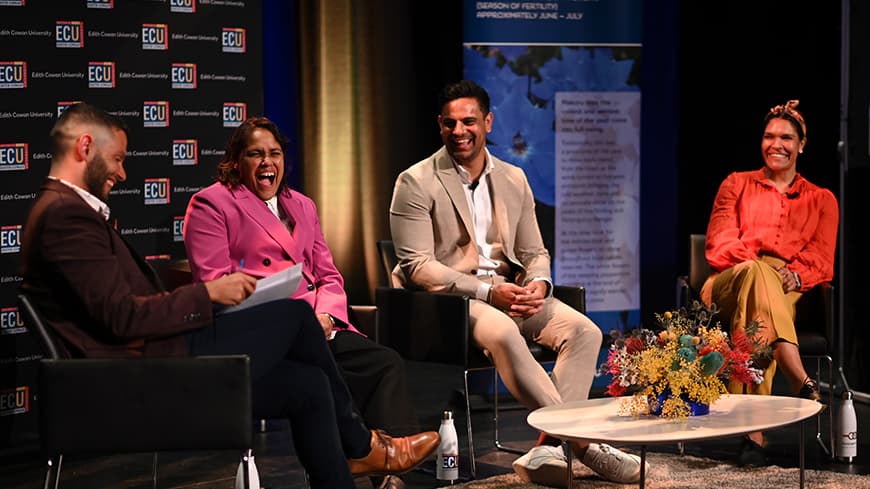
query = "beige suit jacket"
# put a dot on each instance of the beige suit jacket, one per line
(433, 232)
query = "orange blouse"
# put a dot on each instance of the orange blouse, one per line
(751, 217)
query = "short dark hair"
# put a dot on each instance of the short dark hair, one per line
(464, 89)
(81, 113)
(228, 174)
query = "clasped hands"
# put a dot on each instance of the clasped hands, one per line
(519, 301)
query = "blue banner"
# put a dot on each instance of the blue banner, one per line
(564, 84)
(609, 22)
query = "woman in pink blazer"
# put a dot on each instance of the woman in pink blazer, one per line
(251, 220)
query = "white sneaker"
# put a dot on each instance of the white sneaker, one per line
(613, 464)
(545, 465)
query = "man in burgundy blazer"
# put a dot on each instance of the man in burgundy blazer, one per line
(105, 301)
(250, 216)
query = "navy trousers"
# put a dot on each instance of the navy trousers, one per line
(376, 377)
(294, 376)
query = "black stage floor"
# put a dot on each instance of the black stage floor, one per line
(435, 388)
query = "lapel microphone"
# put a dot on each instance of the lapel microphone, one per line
(792, 195)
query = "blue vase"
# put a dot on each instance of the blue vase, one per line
(695, 408)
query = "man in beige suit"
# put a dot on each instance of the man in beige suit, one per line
(463, 222)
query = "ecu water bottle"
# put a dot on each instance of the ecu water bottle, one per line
(847, 432)
(253, 475)
(447, 460)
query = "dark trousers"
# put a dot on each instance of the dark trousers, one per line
(295, 377)
(378, 383)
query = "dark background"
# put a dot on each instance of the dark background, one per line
(709, 74)
(149, 228)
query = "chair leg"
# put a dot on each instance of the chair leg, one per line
(154, 471)
(830, 450)
(473, 463)
(817, 377)
(495, 408)
(52, 471)
(498, 444)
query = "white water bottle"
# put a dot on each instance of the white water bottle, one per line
(847, 432)
(447, 460)
(253, 476)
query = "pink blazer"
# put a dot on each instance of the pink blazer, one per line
(225, 226)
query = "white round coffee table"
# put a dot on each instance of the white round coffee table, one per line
(602, 420)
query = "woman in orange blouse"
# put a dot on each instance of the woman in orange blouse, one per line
(772, 236)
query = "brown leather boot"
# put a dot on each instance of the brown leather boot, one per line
(394, 455)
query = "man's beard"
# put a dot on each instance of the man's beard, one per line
(96, 174)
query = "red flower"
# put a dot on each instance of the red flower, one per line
(740, 373)
(615, 390)
(633, 345)
(612, 365)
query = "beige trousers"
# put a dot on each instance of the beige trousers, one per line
(752, 291)
(572, 335)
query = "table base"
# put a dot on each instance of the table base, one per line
(642, 481)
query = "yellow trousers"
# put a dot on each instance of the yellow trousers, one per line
(752, 291)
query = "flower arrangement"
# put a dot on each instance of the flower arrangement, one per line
(687, 360)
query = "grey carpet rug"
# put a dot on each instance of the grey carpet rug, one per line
(669, 471)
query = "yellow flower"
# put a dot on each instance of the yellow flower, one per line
(687, 360)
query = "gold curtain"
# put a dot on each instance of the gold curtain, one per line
(351, 105)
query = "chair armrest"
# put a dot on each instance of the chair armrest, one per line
(424, 326)
(51, 347)
(571, 295)
(364, 317)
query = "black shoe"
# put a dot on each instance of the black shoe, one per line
(810, 390)
(751, 454)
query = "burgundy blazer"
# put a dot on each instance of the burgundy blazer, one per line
(94, 291)
(225, 226)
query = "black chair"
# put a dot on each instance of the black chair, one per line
(431, 327)
(108, 406)
(814, 323)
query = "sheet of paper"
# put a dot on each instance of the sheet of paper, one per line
(277, 286)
